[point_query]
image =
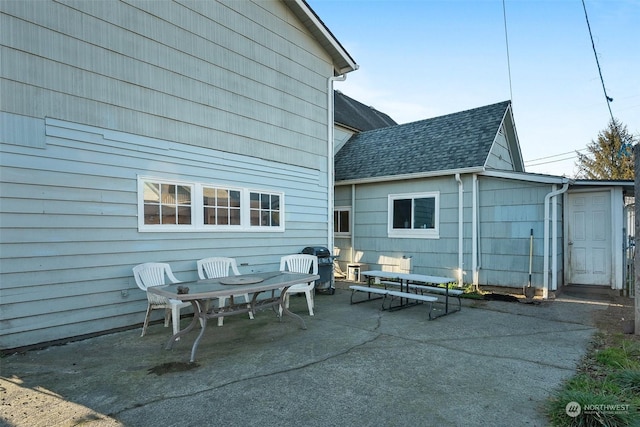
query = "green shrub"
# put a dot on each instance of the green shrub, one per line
(628, 380)
(624, 356)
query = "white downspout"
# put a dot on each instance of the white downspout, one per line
(545, 277)
(554, 245)
(460, 231)
(474, 230)
(330, 158)
(352, 222)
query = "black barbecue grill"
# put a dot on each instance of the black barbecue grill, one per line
(325, 268)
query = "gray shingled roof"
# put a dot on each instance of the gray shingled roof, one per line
(455, 141)
(355, 115)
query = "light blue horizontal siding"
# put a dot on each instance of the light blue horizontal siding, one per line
(200, 73)
(68, 221)
(508, 210)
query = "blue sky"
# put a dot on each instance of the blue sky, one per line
(425, 58)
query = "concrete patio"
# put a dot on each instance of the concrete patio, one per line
(493, 363)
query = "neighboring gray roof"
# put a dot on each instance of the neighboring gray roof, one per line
(355, 115)
(455, 141)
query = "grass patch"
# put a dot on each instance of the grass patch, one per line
(607, 387)
(470, 292)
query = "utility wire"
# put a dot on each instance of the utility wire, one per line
(595, 53)
(506, 40)
(550, 161)
(555, 155)
(623, 144)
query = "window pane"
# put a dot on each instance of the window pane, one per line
(275, 219)
(168, 215)
(254, 200)
(424, 212)
(265, 202)
(151, 192)
(234, 217)
(209, 215)
(223, 216)
(184, 215)
(402, 213)
(183, 194)
(222, 197)
(152, 214)
(336, 221)
(234, 199)
(344, 221)
(209, 196)
(275, 202)
(168, 193)
(265, 219)
(255, 217)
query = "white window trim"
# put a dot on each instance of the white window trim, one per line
(411, 233)
(197, 209)
(343, 209)
(162, 227)
(247, 211)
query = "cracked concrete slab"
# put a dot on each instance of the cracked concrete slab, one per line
(493, 363)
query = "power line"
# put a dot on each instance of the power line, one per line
(506, 39)
(623, 144)
(595, 53)
(555, 155)
(550, 161)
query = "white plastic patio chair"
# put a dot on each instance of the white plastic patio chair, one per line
(214, 267)
(153, 274)
(300, 263)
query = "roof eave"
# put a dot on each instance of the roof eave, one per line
(403, 177)
(628, 185)
(343, 62)
(526, 176)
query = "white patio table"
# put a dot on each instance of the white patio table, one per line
(199, 294)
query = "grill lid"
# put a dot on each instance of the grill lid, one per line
(319, 251)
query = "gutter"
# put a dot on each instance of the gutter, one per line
(547, 198)
(330, 158)
(402, 177)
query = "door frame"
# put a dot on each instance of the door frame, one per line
(617, 222)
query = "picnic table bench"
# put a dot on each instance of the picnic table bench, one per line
(429, 289)
(413, 290)
(391, 295)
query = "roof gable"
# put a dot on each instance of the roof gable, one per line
(455, 141)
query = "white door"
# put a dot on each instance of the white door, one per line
(589, 238)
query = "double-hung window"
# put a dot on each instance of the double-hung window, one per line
(167, 205)
(341, 221)
(414, 215)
